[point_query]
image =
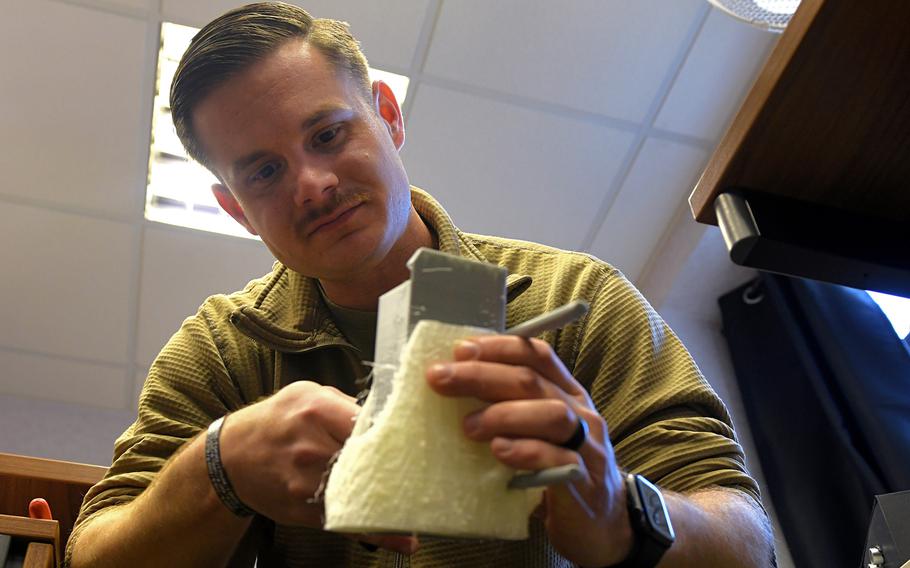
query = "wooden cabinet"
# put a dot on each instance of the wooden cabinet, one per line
(62, 484)
(815, 165)
(40, 555)
(37, 538)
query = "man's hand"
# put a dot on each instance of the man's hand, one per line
(535, 404)
(276, 453)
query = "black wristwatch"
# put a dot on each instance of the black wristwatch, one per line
(652, 531)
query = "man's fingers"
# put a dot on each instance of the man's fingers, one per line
(519, 351)
(538, 451)
(531, 454)
(492, 382)
(579, 499)
(551, 420)
(317, 408)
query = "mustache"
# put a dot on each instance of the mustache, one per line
(339, 200)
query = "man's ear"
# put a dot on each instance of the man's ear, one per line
(386, 106)
(231, 206)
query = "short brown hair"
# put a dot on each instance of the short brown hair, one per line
(232, 42)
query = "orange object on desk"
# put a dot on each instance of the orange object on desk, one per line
(39, 509)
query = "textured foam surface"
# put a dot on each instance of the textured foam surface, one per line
(414, 470)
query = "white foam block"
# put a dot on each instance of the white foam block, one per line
(414, 470)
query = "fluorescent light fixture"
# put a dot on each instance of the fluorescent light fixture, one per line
(897, 309)
(179, 189)
(772, 15)
(779, 6)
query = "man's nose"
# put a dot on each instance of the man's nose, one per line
(314, 184)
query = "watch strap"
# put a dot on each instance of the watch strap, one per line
(644, 554)
(646, 550)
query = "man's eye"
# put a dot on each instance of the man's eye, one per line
(265, 172)
(327, 136)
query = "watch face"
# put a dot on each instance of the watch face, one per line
(654, 510)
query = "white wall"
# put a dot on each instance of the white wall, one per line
(692, 312)
(60, 430)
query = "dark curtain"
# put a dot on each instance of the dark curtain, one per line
(825, 383)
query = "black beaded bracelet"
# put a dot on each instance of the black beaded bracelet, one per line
(218, 476)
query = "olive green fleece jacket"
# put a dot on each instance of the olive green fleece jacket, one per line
(664, 419)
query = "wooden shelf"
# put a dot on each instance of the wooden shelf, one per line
(40, 555)
(43, 537)
(828, 119)
(33, 529)
(62, 484)
(50, 470)
(812, 178)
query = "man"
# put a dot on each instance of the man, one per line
(280, 108)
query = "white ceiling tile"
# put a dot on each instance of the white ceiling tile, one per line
(607, 57)
(660, 179)
(387, 30)
(508, 171)
(180, 269)
(68, 283)
(722, 65)
(72, 107)
(26, 374)
(135, 4)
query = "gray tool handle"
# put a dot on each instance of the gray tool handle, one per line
(561, 316)
(550, 476)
